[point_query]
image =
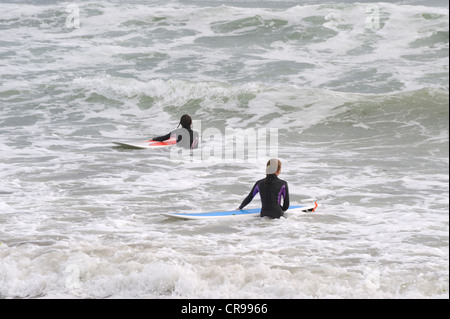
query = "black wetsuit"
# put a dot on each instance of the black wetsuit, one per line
(191, 140)
(271, 190)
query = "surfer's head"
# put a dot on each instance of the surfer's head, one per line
(185, 121)
(273, 167)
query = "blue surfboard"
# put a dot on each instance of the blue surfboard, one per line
(234, 213)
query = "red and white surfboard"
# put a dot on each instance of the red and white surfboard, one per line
(148, 144)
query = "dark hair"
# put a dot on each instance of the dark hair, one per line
(270, 177)
(185, 121)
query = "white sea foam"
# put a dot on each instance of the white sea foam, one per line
(362, 122)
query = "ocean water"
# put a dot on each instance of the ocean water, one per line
(357, 94)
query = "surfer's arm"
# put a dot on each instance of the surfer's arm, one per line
(162, 138)
(285, 193)
(250, 196)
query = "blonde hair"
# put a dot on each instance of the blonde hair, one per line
(270, 177)
(270, 163)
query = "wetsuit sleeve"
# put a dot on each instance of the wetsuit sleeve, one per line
(250, 196)
(162, 138)
(285, 195)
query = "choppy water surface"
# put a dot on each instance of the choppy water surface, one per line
(358, 94)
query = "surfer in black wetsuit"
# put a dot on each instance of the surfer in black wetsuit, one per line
(272, 190)
(185, 136)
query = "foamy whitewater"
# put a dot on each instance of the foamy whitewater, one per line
(357, 92)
